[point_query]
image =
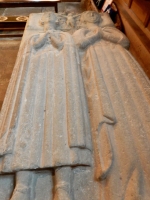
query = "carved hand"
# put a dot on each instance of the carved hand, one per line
(38, 43)
(90, 36)
(56, 42)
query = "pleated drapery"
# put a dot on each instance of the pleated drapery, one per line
(52, 125)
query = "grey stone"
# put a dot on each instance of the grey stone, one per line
(6, 186)
(118, 94)
(48, 122)
(75, 120)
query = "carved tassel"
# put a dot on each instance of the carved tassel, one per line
(104, 152)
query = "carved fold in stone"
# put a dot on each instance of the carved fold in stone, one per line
(102, 113)
(105, 152)
(135, 187)
(45, 116)
(50, 113)
(117, 91)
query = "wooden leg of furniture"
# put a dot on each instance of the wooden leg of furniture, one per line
(56, 8)
(10, 35)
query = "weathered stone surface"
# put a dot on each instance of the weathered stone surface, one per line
(64, 25)
(118, 96)
(75, 120)
(44, 118)
(6, 186)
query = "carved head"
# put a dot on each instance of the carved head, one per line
(49, 18)
(91, 17)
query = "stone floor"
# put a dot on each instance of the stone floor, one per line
(9, 46)
(8, 52)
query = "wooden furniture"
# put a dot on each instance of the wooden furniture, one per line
(29, 3)
(135, 15)
(141, 9)
(11, 23)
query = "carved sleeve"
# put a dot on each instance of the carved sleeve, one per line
(114, 35)
(38, 43)
(84, 37)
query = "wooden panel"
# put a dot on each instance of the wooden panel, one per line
(28, 1)
(126, 1)
(140, 10)
(70, 0)
(148, 26)
(140, 44)
(147, 20)
(130, 3)
(138, 35)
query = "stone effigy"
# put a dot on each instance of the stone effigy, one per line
(49, 125)
(118, 96)
(75, 120)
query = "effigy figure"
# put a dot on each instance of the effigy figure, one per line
(118, 94)
(45, 132)
(45, 124)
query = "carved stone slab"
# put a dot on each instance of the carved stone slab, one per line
(75, 120)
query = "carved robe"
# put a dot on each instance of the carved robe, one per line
(119, 102)
(46, 121)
